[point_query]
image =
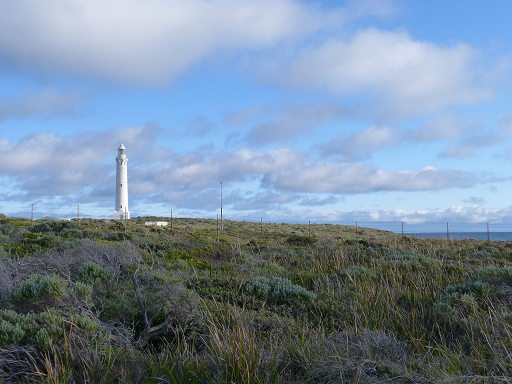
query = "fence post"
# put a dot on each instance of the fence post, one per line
(488, 235)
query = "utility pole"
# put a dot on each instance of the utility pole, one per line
(221, 221)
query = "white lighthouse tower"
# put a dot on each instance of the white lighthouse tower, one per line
(122, 211)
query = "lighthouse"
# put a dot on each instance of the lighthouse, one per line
(121, 212)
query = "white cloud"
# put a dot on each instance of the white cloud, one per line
(469, 144)
(410, 76)
(421, 220)
(145, 42)
(359, 178)
(444, 126)
(45, 102)
(294, 120)
(193, 171)
(51, 152)
(48, 165)
(361, 143)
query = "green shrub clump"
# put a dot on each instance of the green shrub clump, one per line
(37, 287)
(357, 273)
(301, 241)
(278, 289)
(412, 259)
(91, 273)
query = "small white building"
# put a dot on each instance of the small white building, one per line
(157, 223)
(121, 211)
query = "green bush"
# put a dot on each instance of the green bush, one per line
(412, 259)
(36, 328)
(37, 287)
(93, 234)
(357, 273)
(54, 227)
(486, 252)
(71, 233)
(477, 288)
(91, 273)
(8, 229)
(301, 241)
(10, 333)
(278, 289)
(82, 289)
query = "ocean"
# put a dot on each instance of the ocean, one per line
(493, 236)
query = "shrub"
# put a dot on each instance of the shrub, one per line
(278, 289)
(93, 234)
(71, 233)
(92, 273)
(477, 288)
(37, 286)
(82, 289)
(301, 241)
(8, 229)
(412, 259)
(357, 273)
(10, 333)
(54, 227)
(486, 252)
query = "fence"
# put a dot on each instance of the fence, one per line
(452, 230)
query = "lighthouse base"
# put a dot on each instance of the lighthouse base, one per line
(121, 215)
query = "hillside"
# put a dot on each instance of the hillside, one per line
(100, 302)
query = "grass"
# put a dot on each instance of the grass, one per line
(95, 301)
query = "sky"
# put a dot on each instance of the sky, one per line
(324, 111)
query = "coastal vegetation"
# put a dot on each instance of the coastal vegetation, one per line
(103, 301)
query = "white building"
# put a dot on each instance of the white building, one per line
(157, 223)
(121, 211)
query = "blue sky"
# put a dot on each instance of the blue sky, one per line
(329, 111)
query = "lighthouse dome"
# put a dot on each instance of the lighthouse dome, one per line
(122, 146)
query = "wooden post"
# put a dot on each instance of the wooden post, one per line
(32, 220)
(488, 235)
